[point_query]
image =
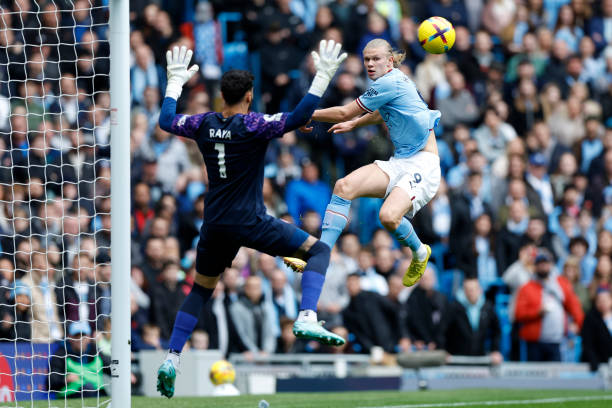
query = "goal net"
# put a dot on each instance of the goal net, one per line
(54, 202)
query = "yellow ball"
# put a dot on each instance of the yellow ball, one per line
(222, 372)
(436, 35)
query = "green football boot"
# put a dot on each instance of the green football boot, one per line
(416, 269)
(316, 331)
(166, 375)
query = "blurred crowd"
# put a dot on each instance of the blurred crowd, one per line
(521, 227)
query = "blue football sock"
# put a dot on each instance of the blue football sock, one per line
(407, 236)
(312, 284)
(336, 218)
(187, 317)
(314, 275)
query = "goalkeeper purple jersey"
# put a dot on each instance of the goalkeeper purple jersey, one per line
(233, 149)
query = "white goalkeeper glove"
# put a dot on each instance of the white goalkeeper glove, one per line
(326, 62)
(178, 74)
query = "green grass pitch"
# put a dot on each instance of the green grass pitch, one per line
(418, 399)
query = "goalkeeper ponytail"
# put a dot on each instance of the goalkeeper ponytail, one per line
(398, 55)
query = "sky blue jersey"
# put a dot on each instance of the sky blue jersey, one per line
(404, 111)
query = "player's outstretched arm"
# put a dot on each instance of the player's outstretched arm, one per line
(178, 74)
(326, 61)
(373, 118)
(337, 114)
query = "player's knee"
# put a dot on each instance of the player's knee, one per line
(389, 219)
(344, 189)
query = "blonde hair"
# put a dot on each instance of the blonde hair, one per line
(398, 56)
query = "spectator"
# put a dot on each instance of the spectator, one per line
(398, 294)
(426, 307)
(151, 339)
(460, 107)
(538, 179)
(287, 342)
(370, 280)
(525, 109)
(7, 279)
(566, 28)
(520, 271)
(102, 302)
(189, 224)
(591, 146)
(199, 340)
(376, 27)
(384, 263)
(76, 369)
(493, 135)
(144, 73)
(77, 292)
(40, 280)
(571, 271)
(171, 155)
(283, 296)
(275, 77)
(597, 331)
(208, 51)
(154, 259)
(497, 15)
(597, 26)
(309, 193)
(466, 206)
(254, 319)
(510, 236)
(334, 296)
(16, 319)
(483, 261)
(543, 306)
(567, 123)
(167, 296)
(602, 277)
(142, 210)
(370, 317)
(470, 324)
(564, 173)
(452, 10)
(579, 249)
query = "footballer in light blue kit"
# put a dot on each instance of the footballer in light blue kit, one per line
(409, 179)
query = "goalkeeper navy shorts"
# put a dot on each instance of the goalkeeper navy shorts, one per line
(219, 244)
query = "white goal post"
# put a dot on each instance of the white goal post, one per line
(65, 203)
(120, 201)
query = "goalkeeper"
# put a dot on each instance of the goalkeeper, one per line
(233, 143)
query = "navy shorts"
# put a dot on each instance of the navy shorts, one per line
(219, 244)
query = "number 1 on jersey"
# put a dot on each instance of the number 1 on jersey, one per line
(220, 147)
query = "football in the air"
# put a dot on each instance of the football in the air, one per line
(222, 372)
(436, 35)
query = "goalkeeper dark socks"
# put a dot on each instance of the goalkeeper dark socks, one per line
(314, 275)
(312, 284)
(183, 327)
(336, 218)
(187, 317)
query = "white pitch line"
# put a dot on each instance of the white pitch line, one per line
(493, 403)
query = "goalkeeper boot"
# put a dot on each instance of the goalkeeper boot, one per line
(166, 375)
(416, 269)
(316, 331)
(296, 264)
